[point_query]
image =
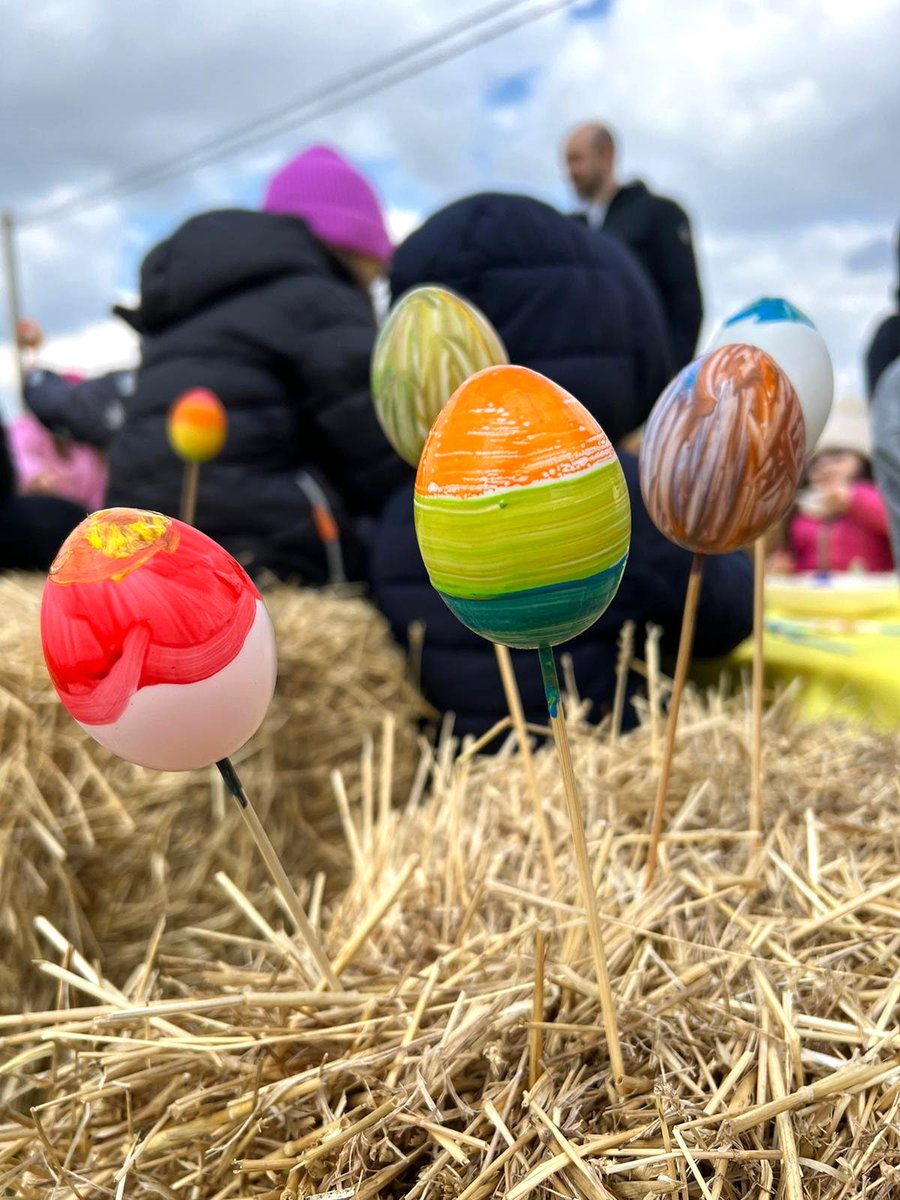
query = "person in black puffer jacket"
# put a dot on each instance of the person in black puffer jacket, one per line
(270, 311)
(574, 306)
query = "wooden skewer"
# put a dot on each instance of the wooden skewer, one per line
(278, 873)
(576, 825)
(189, 482)
(756, 745)
(516, 712)
(685, 645)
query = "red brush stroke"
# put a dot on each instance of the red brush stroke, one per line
(180, 617)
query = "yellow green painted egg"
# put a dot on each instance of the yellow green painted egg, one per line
(431, 342)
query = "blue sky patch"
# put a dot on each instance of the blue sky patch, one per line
(589, 10)
(507, 91)
(396, 187)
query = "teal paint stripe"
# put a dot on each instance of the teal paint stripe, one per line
(543, 616)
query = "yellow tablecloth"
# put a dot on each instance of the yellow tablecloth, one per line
(840, 637)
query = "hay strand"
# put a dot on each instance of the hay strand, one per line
(685, 645)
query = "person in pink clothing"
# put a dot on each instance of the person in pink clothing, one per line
(52, 464)
(840, 520)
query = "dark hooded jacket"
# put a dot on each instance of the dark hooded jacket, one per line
(254, 308)
(884, 347)
(7, 474)
(573, 305)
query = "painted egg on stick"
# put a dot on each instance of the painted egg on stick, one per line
(789, 336)
(431, 342)
(197, 425)
(156, 639)
(521, 510)
(723, 451)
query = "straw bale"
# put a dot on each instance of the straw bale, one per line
(757, 993)
(103, 848)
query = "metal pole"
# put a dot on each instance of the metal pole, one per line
(12, 302)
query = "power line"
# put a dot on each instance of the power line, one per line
(222, 142)
(347, 88)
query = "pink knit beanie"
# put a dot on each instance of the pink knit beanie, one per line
(334, 200)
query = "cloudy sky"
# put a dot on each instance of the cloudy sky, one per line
(773, 121)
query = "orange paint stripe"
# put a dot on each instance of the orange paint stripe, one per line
(199, 417)
(325, 524)
(508, 427)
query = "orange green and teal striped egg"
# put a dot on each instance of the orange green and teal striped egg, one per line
(521, 510)
(431, 342)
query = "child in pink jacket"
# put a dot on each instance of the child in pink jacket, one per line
(840, 521)
(47, 464)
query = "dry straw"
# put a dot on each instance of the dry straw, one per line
(107, 849)
(757, 991)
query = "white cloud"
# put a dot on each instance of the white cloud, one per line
(92, 350)
(754, 113)
(401, 222)
(96, 348)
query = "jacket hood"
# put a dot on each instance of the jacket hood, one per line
(487, 232)
(562, 297)
(220, 252)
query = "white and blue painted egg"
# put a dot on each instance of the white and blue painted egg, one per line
(790, 337)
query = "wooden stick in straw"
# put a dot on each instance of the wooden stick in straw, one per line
(576, 825)
(685, 646)
(756, 745)
(189, 482)
(278, 873)
(516, 712)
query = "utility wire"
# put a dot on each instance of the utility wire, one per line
(206, 151)
(350, 87)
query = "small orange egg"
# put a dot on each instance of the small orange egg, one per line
(197, 425)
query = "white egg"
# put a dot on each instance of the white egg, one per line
(788, 335)
(178, 727)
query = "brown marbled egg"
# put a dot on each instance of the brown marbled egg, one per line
(723, 451)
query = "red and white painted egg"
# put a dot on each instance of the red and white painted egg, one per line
(157, 641)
